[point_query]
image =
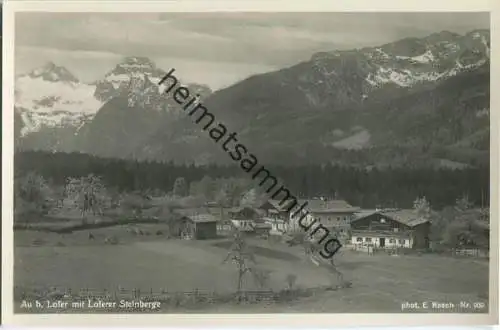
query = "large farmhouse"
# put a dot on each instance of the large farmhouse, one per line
(332, 214)
(390, 228)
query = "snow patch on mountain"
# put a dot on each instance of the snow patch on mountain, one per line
(403, 77)
(40, 95)
(426, 57)
(35, 121)
(51, 96)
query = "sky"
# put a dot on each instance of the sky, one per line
(217, 49)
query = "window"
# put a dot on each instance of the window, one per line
(392, 240)
(396, 229)
(368, 239)
(402, 241)
(359, 239)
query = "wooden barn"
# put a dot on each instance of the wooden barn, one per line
(201, 226)
(194, 223)
(390, 228)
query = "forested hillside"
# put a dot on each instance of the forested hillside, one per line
(366, 188)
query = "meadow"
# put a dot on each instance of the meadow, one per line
(153, 263)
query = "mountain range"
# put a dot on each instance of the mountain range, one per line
(415, 101)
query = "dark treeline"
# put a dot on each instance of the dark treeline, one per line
(397, 187)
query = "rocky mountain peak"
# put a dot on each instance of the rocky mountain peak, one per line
(135, 66)
(137, 78)
(402, 63)
(134, 76)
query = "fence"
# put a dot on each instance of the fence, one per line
(70, 226)
(463, 252)
(478, 253)
(170, 299)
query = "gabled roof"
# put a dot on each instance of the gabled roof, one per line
(364, 213)
(380, 233)
(327, 206)
(280, 207)
(239, 209)
(407, 217)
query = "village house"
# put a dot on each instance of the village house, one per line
(390, 229)
(335, 215)
(276, 216)
(248, 219)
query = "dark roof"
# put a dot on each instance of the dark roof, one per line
(280, 207)
(239, 209)
(327, 206)
(364, 213)
(378, 233)
(407, 217)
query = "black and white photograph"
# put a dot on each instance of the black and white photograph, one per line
(251, 163)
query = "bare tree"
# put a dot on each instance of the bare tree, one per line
(312, 251)
(242, 256)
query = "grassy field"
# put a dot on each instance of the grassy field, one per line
(380, 283)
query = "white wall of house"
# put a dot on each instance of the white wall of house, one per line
(277, 226)
(293, 224)
(390, 242)
(243, 224)
(341, 221)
